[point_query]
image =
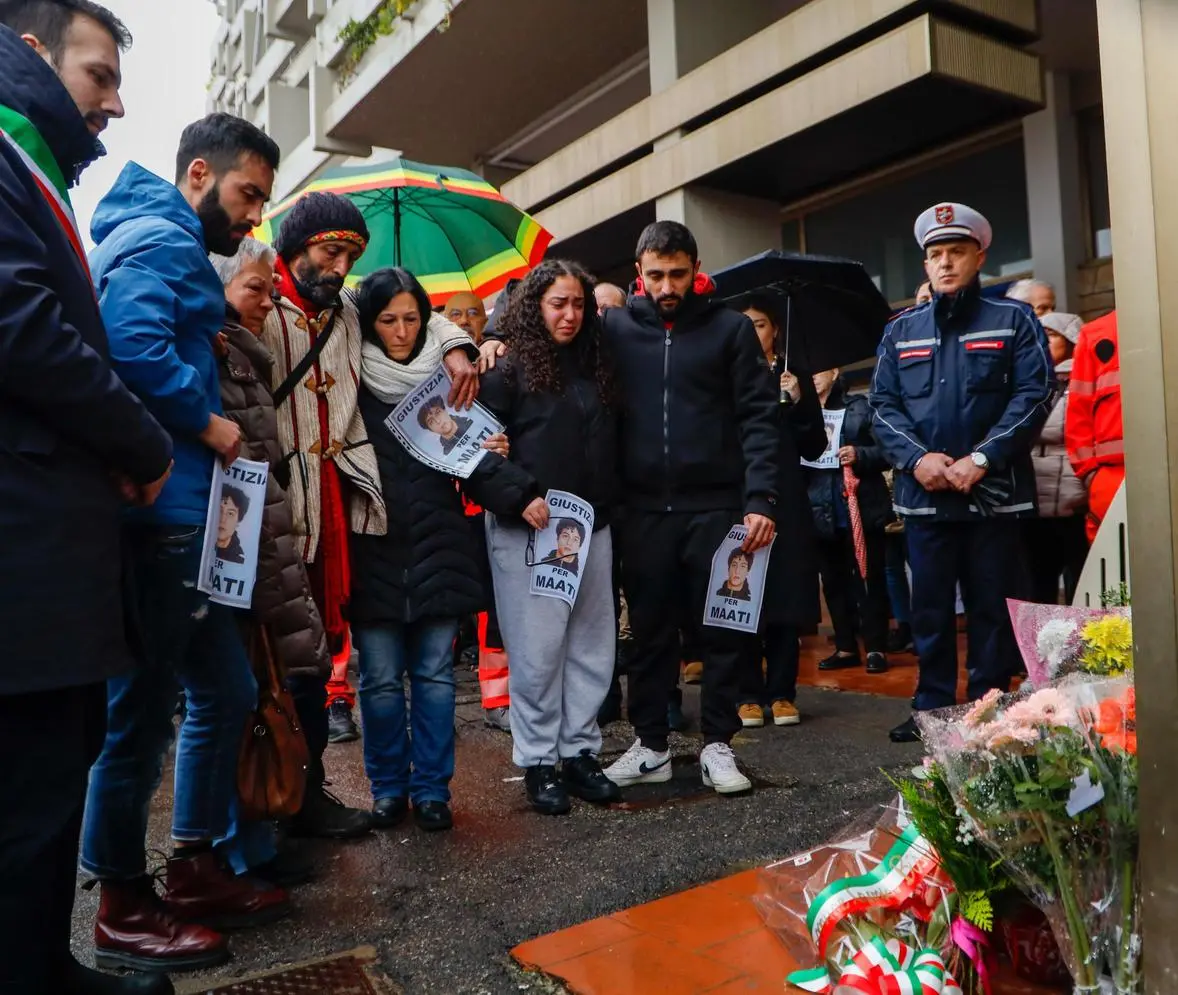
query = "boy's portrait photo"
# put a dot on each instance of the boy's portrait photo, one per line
(736, 585)
(570, 537)
(235, 505)
(450, 428)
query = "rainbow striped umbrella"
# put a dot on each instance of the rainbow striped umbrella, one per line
(449, 227)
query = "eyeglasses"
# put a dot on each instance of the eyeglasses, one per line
(470, 312)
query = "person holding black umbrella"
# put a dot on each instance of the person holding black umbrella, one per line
(959, 395)
(791, 585)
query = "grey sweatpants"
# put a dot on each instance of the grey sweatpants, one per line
(560, 659)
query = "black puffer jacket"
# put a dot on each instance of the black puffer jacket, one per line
(565, 442)
(825, 486)
(699, 430)
(427, 566)
(282, 596)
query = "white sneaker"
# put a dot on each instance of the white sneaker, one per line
(717, 762)
(638, 765)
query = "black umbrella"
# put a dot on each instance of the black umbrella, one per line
(828, 311)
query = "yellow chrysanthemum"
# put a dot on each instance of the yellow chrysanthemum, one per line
(1108, 645)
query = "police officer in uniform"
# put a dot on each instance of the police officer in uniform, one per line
(959, 394)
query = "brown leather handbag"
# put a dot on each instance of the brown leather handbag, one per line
(272, 761)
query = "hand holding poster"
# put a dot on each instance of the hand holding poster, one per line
(829, 460)
(229, 562)
(438, 435)
(561, 548)
(736, 586)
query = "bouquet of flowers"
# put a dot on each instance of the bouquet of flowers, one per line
(1022, 769)
(977, 875)
(1057, 640)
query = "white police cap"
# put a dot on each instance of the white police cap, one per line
(948, 222)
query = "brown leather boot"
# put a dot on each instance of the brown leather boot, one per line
(202, 889)
(134, 930)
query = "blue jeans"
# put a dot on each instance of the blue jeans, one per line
(188, 643)
(398, 765)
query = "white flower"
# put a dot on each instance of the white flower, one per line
(1056, 642)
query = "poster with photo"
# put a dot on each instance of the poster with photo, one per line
(229, 561)
(561, 548)
(438, 435)
(829, 460)
(736, 587)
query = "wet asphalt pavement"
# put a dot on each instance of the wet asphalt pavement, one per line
(444, 910)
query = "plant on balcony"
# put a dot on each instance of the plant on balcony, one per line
(360, 36)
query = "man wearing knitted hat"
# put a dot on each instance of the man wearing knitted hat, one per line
(334, 487)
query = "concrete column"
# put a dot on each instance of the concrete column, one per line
(1054, 192)
(683, 35)
(1138, 39)
(727, 227)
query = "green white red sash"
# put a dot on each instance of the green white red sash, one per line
(24, 138)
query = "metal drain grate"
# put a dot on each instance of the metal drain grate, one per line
(343, 976)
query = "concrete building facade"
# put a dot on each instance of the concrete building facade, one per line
(815, 125)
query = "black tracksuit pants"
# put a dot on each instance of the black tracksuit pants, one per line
(666, 564)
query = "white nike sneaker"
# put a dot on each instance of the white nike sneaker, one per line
(717, 762)
(638, 765)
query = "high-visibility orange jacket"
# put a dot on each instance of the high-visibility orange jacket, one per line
(493, 670)
(1093, 430)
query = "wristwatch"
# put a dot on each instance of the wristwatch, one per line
(980, 461)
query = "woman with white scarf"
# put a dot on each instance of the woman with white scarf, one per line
(411, 587)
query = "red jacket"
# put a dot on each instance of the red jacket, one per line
(1093, 430)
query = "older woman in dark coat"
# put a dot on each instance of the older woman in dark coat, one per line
(791, 586)
(282, 598)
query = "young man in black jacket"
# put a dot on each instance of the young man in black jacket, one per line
(699, 455)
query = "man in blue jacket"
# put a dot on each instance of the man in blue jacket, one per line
(959, 395)
(75, 444)
(164, 305)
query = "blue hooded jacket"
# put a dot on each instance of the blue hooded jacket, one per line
(163, 305)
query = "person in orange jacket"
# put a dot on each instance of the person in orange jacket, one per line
(1093, 432)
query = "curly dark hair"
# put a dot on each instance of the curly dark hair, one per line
(533, 350)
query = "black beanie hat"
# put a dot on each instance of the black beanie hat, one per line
(318, 214)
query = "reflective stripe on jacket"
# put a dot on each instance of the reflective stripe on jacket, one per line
(1095, 434)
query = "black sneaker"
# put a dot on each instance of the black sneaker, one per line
(433, 816)
(906, 732)
(325, 817)
(545, 792)
(838, 662)
(900, 639)
(341, 727)
(584, 779)
(877, 663)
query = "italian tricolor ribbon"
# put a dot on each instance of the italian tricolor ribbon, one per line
(884, 968)
(23, 137)
(904, 870)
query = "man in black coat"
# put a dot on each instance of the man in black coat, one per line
(698, 443)
(74, 445)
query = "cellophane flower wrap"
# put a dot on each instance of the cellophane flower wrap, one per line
(872, 906)
(1059, 640)
(1023, 770)
(1110, 725)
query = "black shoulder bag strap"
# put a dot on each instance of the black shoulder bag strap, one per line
(286, 388)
